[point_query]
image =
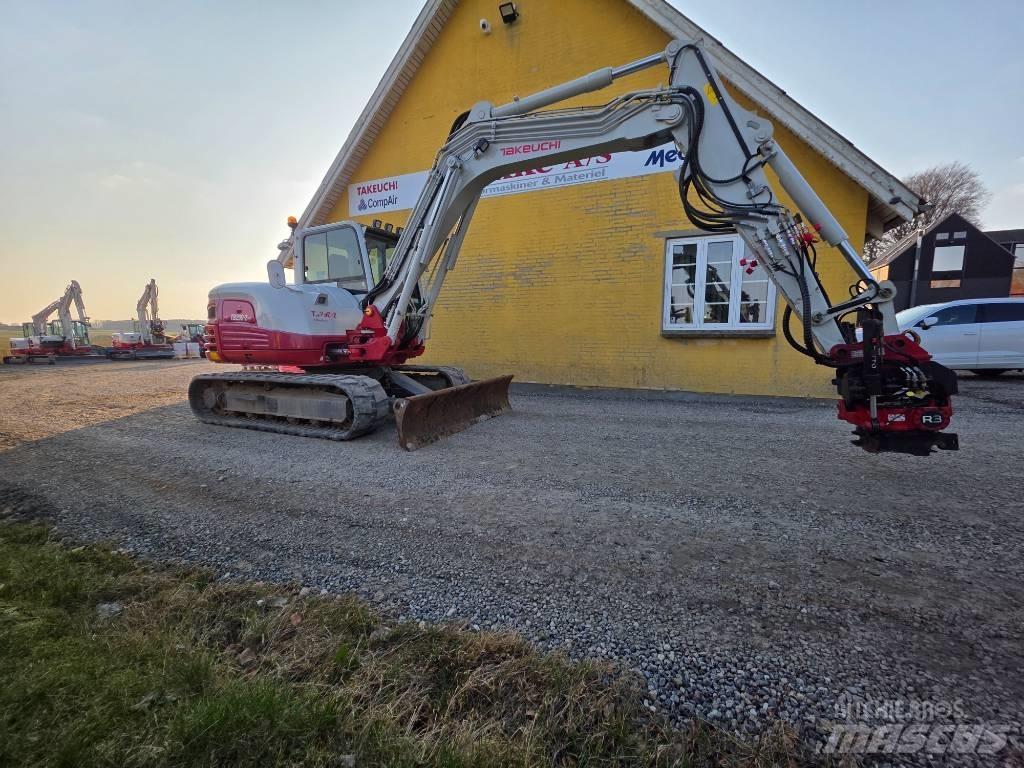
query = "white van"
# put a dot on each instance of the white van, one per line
(981, 335)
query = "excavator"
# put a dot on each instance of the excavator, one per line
(148, 341)
(342, 333)
(45, 341)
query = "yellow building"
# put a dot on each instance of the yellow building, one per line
(569, 281)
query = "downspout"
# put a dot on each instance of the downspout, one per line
(917, 266)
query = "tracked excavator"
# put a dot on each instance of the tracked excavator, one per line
(148, 341)
(362, 300)
(45, 341)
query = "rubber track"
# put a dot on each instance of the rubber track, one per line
(370, 403)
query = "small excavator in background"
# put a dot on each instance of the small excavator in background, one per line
(45, 341)
(148, 341)
(342, 333)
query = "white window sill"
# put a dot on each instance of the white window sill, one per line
(718, 333)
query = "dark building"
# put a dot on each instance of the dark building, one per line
(955, 260)
(1013, 241)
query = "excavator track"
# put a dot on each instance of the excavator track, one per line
(325, 406)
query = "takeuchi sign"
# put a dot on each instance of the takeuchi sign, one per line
(399, 193)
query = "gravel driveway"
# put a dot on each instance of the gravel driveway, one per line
(738, 552)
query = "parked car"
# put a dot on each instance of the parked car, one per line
(981, 335)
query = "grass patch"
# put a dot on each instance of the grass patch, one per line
(180, 670)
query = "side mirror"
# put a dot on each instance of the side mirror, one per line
(927, 323)
(275, 272)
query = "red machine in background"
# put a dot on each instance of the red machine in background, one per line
(47, 341)
(148, 341)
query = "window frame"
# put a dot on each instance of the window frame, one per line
(326, 229)
(763, 328)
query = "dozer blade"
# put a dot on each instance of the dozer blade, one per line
(423, 419)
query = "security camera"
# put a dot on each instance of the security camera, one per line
(485, 26)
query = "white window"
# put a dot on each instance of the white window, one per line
(707, 288)
(948, 258)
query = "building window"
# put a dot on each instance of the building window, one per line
(944, 284)
(706, 287)
(948, 258)
(942, 236)
(1017, 283)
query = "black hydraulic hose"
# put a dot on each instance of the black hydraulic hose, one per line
(805, 304)
(788, 333)
(721, 214)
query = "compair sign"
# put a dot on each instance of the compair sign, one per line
(381, 195)
(399, 193)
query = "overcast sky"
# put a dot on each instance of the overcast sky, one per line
(171, 140)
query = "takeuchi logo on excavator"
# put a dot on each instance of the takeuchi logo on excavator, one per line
(529, 149)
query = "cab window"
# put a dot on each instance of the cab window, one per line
(381, 251)
(961, 315)
(333, 257)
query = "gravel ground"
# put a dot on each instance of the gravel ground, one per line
(739, 553)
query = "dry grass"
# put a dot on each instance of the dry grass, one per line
(196, 672)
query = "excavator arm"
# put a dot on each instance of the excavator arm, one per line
(72, 295)
(156, 324)
(894, 395)
(39, 318)
(146, 311)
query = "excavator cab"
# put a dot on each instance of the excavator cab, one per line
(78, 331)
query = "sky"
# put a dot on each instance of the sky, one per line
(145, 139)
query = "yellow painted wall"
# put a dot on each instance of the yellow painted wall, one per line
(565, 285)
